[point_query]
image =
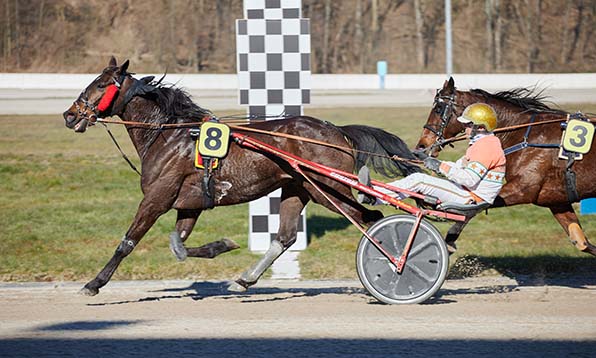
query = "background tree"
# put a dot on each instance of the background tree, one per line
(347, 36)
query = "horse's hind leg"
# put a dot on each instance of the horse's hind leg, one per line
(185, 222)
(566, 216)
(292, 203)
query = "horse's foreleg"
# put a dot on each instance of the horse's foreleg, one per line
(566, 216)
(145, 217)
(289, 215)
(185, 222)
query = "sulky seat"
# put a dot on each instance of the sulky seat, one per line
(463, 209)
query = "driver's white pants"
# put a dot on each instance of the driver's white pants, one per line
(442, 189)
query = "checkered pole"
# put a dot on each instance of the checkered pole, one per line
(273, 62)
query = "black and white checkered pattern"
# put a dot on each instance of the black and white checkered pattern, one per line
(273, 47)
(273, 63)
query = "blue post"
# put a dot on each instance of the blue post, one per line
(382, 72)
(587, 206)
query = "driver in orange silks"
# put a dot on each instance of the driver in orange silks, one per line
(475, 178)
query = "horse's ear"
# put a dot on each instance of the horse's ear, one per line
(448, 86)
(112, 62)
(124, 67)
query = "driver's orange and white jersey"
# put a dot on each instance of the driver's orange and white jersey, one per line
(481, 170)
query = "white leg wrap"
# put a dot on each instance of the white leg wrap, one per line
(253, 274)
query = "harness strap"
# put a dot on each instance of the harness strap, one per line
(570, 181)
(432, 129)
(524, 144)
(208, 184)
(515, 148)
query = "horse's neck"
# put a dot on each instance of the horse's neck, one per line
(143, 111)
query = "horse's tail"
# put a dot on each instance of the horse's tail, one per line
(369, 140)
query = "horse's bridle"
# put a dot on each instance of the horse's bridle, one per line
(83, 111)
(444, 106)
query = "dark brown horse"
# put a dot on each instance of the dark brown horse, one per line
(535, 174)
(170, 180)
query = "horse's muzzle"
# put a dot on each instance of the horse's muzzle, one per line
(72, 122)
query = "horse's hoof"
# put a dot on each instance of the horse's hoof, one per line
(236, 286)
(86, 291)
(177, 246)
(230, 244)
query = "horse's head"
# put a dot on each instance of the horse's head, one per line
(98, 98)
(441, 123)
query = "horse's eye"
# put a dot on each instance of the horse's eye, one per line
(439, 108)
(101, 86)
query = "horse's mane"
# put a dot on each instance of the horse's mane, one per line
(528, 99)
(176, 105)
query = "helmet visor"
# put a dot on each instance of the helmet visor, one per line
(464, 120)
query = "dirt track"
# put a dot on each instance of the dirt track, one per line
(494, 316)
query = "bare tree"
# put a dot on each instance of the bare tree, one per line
(428, 19)
(326, 35)
(491, 8)
(374, 23)
(17, 35)
(346, 36)
(422, 60)
(501, 31)
(529, 16)
(573, 10)
(380, 17)
(7, 35)
(359, 35)
(588, 43)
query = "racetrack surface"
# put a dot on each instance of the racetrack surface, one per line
(483, 316)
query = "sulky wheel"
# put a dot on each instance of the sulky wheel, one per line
(426, 265)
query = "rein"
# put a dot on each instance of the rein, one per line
(446, 110)
(511, 128)
(254, 130)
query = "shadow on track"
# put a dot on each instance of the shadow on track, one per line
(247, 348)
(88, 325)
(205, 289)
(537, 270)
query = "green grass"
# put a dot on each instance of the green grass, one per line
(67, 199)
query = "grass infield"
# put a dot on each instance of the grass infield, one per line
(67, 199)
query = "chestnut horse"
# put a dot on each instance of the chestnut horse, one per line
(170, 180)
(535, 174)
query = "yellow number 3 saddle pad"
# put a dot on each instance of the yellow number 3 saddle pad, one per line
(578, 136)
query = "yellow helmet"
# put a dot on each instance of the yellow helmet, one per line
(480, 114)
